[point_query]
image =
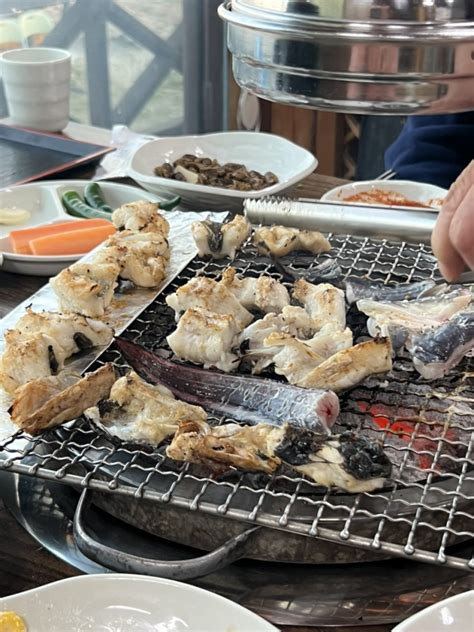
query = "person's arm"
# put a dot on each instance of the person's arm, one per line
(453, 236)
(433, 149)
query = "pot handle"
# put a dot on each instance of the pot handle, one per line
(117, 560)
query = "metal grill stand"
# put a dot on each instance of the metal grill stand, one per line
(381, 593)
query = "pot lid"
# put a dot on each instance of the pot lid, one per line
(401, 11)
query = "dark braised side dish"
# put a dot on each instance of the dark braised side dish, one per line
(201, 170)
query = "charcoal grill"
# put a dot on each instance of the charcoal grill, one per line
(427, 429)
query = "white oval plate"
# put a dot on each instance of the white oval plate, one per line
(258, 151)
(129, 603)
(43, 200)
(428, 194)
(455, 614)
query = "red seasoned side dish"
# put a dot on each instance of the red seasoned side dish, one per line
(388, 198)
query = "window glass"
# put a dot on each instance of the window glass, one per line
(135, 62)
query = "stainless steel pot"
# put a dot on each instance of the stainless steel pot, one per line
(366, 56)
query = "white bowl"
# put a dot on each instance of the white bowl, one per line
(428, 194)
(43, 201)
(129, 603)
(261, 152)
(455, 614)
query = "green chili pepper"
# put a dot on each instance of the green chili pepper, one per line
(74, 205)
(167, 205)
(93, 197)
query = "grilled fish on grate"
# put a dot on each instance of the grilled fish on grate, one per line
(243, 398)
(220, 240)
(347, 461)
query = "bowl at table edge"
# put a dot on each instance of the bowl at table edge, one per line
(455, 614)
(131, 603)
(415, 191)
(255, 150)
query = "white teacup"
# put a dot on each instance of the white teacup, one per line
(37, 87)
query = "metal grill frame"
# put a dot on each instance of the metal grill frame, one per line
(419, 520)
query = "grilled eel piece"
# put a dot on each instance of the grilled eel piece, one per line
(49, 401)
(220, 240)
(41, 341)
(281, 240)
(86, 288)
(140, 217)
(138, 412)
(347, 461)
(350, 366)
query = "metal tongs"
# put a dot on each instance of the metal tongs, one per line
(466, 278)
(395, 223)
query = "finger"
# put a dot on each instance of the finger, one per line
(460, 186)
(450, 261)
(461, 231)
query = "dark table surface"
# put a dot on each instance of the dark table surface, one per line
(23, 563)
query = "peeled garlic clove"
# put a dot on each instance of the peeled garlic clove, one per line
(188, 175)
(12, 216)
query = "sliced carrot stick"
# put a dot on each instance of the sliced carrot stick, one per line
(75, 242)
(20, 239)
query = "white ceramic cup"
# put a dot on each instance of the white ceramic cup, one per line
(37, 87)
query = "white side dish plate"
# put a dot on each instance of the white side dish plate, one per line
(257, 151)
(129, 603)
(43, 201)
(427, 194)
(455, 614)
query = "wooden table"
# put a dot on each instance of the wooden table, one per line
(23, 563)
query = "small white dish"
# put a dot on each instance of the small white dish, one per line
(258, 151)
(43, 201)
(455, 614)
(427, 194)
(129, 603)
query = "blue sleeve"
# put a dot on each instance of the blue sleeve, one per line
(433, 149)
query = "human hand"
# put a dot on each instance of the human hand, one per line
(453, 235)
